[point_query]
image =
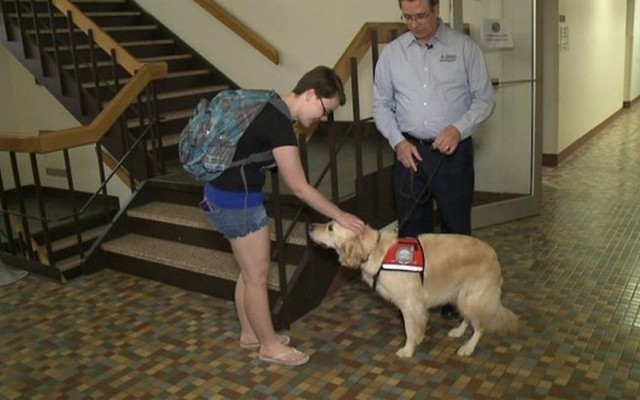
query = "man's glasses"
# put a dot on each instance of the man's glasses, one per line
(420, 17)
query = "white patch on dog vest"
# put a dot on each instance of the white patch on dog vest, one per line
(405, 255)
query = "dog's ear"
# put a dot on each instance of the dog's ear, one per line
(351, 254)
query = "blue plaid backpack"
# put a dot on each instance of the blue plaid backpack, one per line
(208, 142)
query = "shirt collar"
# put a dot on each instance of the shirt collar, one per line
(440, 36)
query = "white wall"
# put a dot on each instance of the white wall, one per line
(591, 69)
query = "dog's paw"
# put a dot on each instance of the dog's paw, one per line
(466, 350)
(457, 332)
(404, 352)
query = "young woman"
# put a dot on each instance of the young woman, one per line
(235, 203)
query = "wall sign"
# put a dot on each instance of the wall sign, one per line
(496, 33)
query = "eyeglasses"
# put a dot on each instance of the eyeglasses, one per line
(420, 17)
(324, 109)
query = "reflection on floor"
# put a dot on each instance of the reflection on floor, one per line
(572, 274)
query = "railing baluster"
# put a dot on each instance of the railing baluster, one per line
(4, 206)
(74, 206)
(94, 68)
(41, 208)
(373, 35)
(155, 150)
(143, 128)
(114, 71)
(5, 18)
(36, 27)
(355, 94)
(333, 165)
(25, 48)
(105, 194)
(122, 121)
(74, 58)
(21, 204)
(54, 43)
(156, 123)
(374, 61)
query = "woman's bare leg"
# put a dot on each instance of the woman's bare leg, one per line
(252, 252)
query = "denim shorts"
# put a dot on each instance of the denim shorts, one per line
(235, 223)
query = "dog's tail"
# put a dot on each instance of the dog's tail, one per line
(501, 320)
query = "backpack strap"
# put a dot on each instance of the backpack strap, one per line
(253, 158)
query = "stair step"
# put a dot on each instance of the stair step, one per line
(109, 63)
(193, 217)
(79, 3)
(170, 213)
(136, 43)
(68, 263)
(200, 260)
(87, 235)
(107, 29)
(125, 28)
(164, 117)
(114, 15)
(171, 75)
(204, 91)
(168, 57)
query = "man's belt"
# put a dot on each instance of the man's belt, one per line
(424, 142)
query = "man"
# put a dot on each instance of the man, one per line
(431, 91)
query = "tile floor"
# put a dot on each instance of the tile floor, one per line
(572, 274)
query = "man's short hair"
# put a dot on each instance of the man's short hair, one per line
(432, 3)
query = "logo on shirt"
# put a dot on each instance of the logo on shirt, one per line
(448, 58)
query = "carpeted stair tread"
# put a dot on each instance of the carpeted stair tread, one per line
(171, 213)
(200, 260)
(193, 217)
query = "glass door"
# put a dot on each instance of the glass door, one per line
(508, 145)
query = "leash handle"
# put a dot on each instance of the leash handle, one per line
(422, 193)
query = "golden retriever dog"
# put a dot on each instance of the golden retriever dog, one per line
(458, 269)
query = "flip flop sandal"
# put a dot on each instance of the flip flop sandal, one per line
(284, 339)
(283, 358)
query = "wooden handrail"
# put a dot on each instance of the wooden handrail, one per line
(241, 30)
(361, 44)
(49, 141)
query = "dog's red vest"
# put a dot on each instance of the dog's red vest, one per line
(406, 255)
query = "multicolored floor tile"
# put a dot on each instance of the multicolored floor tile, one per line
(572, 274)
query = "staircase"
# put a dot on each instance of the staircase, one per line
(163, 235)
(190, 77)
(160, 233)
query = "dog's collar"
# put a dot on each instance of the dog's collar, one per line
(364, 260)
(406, 255)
